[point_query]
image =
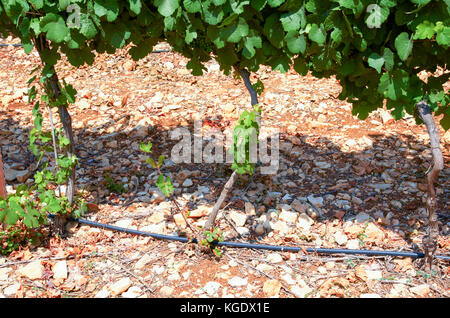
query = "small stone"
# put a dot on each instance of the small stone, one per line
(259, 229)
(317, 202)
(202, 210)
(104, 293)
(297, 205)
(352, 244)
(60, 270)
(242, 230)
(281, 227)
(156, 217)
(322, 165)
(351, 143)
(373, 233)
(386, 116)
(169, 65)
(304, 221)
(120, 286)
(4, 273)
(271, 287)
(126, 223)
(187, 183)
(340, 237)
(174, 276)
(229, 108)
(374, 274)
(141, 131)
(238, 218)
(301, 292)
(211, 288)
(380, 186)
(322, 118)
(288, 279)
(83, 104)
(144, 260)
(166, 291)
(398, 290)
(396, 204)
(157, 196)
(11, 290)
(237, 281)
(274, 258)
(356, 200)
(132, 292)
(263, 267)
(362, 217)
(179, 220)
(11, 174)
(420, 290)
(290, 217)
(129, 65)
(112, 144)
(249, 208)
(33, 270)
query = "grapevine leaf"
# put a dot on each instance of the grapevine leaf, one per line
(403, 45)
(167, 7)
(376, 61)
(165, 186)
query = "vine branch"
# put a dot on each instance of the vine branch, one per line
(430, 240)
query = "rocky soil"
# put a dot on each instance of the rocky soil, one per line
(341, 183)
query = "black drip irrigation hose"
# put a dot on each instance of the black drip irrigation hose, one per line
(261, 246)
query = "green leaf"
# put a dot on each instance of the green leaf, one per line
(167, 7)
(403, 45)
(388, 57)
(37, 4)
(15, 211)
(445, 121)
(108, 8)
(258, 4)
(317, 34)
(54, 206)
(146, 147)
(273, 30)
(55, 27)
(192, 6)
(135, 6)
(165, 186)
(160, 160)
(300, 66)
(295, 43)
(424, 30)
(236, 31)
(63, 4)
(87, 26)
(443, 37)
(291, 21)
(376, 16)
(394, 85)
(275, 3)
(250, 43)
(151, 162)
(376, 61)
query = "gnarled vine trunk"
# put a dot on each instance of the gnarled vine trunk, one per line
(430, 240)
